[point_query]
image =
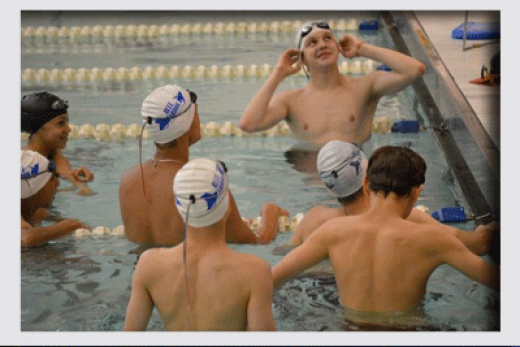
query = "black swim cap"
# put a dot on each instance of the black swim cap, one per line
(495, 67)
(39, 108)
(495, 64)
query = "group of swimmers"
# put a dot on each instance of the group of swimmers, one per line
(382, 250)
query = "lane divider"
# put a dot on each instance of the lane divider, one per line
(56, 76)
(79, 34)
(120, 133)
(285, 225)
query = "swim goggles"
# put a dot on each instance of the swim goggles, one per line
(308, 28)
(51, 167)
(223, 165)
(193, 99)
(60, 105)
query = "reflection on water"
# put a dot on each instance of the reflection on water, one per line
(74, 286)
(303, 157)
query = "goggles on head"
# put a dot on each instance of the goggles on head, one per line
(193, 96)
(193, 100)
(60, 105)
(36, 103)
(160, 122)
(308, 28)
(223, 165)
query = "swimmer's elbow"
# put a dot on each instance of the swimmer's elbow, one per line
(29, 239)
(25, 241)
(246, 126)
(419, 70)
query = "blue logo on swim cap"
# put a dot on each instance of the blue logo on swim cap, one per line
(218, 183)
(354, 160)
(170, 110)
(34, 171)
(210, 199)
(356, 164)
(163, 123)
(219, 180)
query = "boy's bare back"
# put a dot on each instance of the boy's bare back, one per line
(222, 286)
(383, 264)
(147, 218)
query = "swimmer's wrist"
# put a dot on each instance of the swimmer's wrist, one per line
(359, 48)
(278, 73)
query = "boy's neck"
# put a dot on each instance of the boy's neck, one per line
(212, 235)
(324, 79)
(391, 205)
(357, 207)
(178, 153)
(36, 145)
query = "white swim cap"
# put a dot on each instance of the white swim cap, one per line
(36, 172)
(170, 110)
(307, 28)
(207, 182)
(342, 167)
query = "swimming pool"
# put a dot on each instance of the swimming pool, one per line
(84, 284)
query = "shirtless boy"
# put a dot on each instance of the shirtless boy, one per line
(210, 287)
(342, 167)
(146, 199)
(381, 261)
(45, 118)
(331, 106)
(39, 182)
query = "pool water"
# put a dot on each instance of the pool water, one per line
(83, 284)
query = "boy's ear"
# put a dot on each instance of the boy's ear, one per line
(416, 191)
(366, 185)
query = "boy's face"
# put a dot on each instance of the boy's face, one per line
(56, 131)
(320, 48)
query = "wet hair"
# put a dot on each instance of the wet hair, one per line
(395, 169)
(345, 200)
(39, 108)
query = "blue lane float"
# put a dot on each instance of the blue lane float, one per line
(450, 215)
(406, 127)
(372, 25)
(477, 31)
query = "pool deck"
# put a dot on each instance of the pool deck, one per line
(464, 65)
